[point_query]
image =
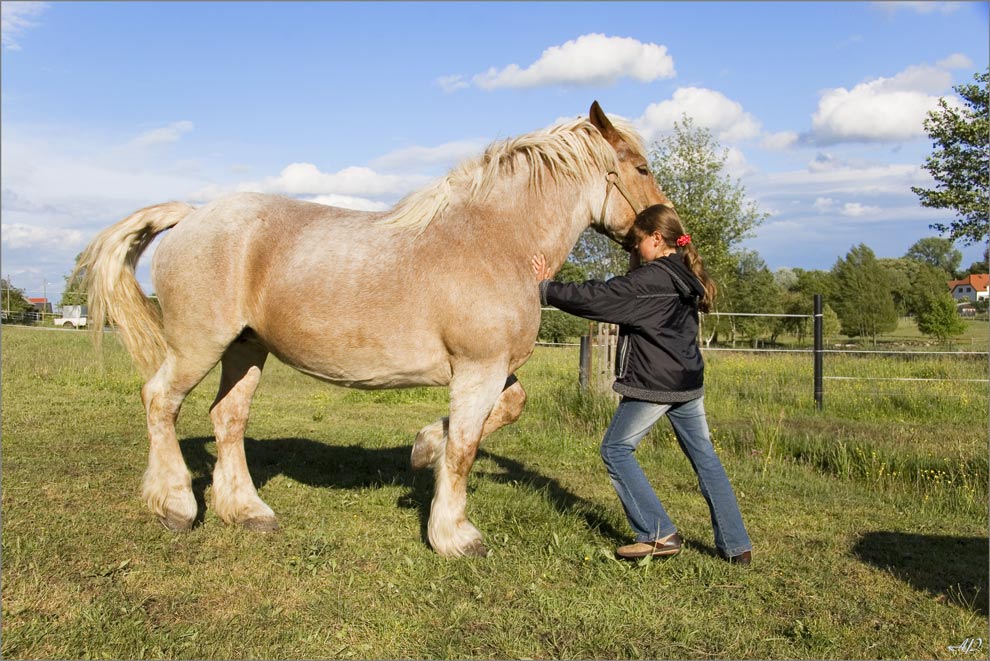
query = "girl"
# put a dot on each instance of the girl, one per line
(658, 370)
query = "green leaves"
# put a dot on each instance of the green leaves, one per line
(960, 162)
(689, 165)
(939, 318)
(862, 294)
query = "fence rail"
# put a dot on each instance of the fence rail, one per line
(597, 351)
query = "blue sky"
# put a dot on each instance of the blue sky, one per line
(108, 107)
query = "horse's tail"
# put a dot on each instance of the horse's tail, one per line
(106, 269)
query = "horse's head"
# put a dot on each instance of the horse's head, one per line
(635, 186)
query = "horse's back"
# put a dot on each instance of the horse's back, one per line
(217, 263)
(329, 291)
(237, 239)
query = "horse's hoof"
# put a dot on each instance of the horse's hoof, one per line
(422, 456)
(476, 549)
(428, 446)
(261, 524)
(176, 524)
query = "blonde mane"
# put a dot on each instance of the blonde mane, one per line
(574, 150)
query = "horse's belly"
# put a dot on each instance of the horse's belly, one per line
(369, 381)
(370, 367)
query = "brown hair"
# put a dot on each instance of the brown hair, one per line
(662, 218)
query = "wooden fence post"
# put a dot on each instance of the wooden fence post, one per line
(584, 362)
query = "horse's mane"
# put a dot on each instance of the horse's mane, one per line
(574, 149)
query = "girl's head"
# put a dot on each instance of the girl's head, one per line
(662, 224)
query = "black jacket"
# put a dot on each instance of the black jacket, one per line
(656, 307)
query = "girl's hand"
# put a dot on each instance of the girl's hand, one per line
(540, 268)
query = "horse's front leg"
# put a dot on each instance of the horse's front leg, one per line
(473, 392)
(430, 440)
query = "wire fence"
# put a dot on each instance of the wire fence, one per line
(835, 365)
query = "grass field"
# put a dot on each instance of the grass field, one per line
(869, 520)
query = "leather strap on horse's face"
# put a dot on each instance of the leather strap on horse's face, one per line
(613, 179)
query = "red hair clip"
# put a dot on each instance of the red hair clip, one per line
(683, 240)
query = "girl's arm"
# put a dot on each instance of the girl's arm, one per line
(613, 301)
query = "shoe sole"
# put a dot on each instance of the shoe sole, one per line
(658, 553)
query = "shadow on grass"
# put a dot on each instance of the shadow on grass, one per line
(353, 466)
(943, 565)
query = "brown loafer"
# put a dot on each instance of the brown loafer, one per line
(743, 558)
(658, 548)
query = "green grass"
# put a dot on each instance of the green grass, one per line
(869, 521)
(975, 337)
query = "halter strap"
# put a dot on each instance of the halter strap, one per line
(612, 179)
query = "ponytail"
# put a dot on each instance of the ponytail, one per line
(694, 262)
(664, 219)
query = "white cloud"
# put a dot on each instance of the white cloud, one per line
(823, 204)
(162, 135)
(779, 141)
(591, 59)
(452, 83)
(61, 186)
(824, 161)
(955, 61)
(831, 178)
(348, 202)
(16, 18)
(19, 236)
(708, 108)
(857, 210)
(925, 7)
(736, 165)
(414, 158)
(60, 168)
(307, 179)
(882, 110)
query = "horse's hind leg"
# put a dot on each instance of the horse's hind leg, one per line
(234, 495)
(430, 439)
(167, 485)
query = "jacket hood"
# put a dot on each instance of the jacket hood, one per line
(685, 280)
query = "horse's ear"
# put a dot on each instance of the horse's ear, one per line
(602, 123)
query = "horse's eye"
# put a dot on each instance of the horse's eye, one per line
(642, 169)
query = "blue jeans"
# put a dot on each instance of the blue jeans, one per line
(630, 424)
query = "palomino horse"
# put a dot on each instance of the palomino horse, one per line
(436, 292)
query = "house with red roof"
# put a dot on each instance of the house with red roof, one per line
(974, 287)
(41, 304)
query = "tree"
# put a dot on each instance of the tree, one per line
(940, 253)
(900, 271)
(73, 294)
(798, 296)
(927, 283)
(814, 282)
(960, 162)
(13, 302)
(786, 278)
(980, 267)
(940, 318)
(912, 282)
(599, 257)
(751, 289)
(863, 296)
(830, 322)
(689, 166)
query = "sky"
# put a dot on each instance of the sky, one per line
(108, 107)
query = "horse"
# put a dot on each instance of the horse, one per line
(437, 291)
